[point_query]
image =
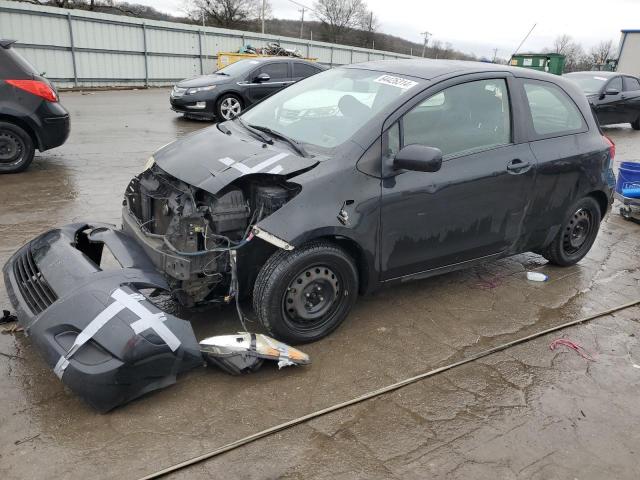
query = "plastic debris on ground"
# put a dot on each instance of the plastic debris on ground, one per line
(573, 346)
(245, 352)
(537, 277)
(7, 317)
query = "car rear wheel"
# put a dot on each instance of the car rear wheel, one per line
(636, 125)
(303, 295)
(16, 148)
(229, 106)
(577, 234)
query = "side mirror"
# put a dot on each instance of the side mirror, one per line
(263, 77)
(612, 91)
(418, 158)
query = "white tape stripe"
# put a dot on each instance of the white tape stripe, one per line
(148, 320)
(275, 170)
(95, 325)
(122, 300)
(245, 170)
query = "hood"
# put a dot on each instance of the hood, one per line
(203, 81)
(210, 160)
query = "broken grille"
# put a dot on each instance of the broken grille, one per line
(33, 287)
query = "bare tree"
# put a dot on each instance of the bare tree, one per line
(225, 13)
(572, 51)
(339, 16)
(601, 52)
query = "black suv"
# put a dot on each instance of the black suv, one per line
(225, 93)
(30, 115)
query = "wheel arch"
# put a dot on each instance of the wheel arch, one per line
(355, 251)
(603, 201)
(25, 126)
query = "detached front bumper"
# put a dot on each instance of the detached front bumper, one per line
(102, 337)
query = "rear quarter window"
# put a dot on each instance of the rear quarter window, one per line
(14, 65)
(553, 112)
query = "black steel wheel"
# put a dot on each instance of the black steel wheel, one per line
(16, 148)
(303, 295)
(576, 235)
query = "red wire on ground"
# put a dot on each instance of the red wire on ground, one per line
(573, 346)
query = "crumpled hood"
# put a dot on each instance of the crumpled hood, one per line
(203, 81)
(211, 160)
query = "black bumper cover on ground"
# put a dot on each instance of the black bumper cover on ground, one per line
(59, 292)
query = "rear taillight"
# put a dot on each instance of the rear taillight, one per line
(35, 87)
(612, 147)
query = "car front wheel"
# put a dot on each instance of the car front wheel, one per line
(303, 295)
(16, 148)
(229, 106)
(636, 124)
(577, 234)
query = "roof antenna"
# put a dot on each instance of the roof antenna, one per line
(524, 39)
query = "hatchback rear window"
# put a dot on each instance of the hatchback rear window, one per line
(13, 64)
(552, 110)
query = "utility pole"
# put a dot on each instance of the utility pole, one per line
(264, 6)
(203, 17)
(426, 40)
(301, 22)
(495, 54)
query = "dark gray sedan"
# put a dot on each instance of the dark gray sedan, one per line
(615, 96)
(225, 93)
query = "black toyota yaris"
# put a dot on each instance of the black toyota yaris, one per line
(353, 179)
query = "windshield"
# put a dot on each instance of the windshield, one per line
(588, 83)
(237, 68)
(328, 108)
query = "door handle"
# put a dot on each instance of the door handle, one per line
(517, 166)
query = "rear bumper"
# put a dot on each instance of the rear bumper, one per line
(54, 125)
(104, 340)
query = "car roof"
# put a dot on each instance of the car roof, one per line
(428, 69)
(597, 73)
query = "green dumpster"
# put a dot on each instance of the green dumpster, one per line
(545, 62)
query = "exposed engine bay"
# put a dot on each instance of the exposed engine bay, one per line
(191, 234)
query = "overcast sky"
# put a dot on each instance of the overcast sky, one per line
(480, 26)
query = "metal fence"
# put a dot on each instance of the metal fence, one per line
(75, 48)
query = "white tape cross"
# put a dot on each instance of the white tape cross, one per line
(148, 320)
(242, 168)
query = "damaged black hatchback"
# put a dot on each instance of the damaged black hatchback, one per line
(350, 180)
(370, 174)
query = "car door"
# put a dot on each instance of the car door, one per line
(279, 77)
(473, 207)
(631, 94)
(610, 108)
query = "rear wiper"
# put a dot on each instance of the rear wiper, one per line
(256, 132)
(297, 146)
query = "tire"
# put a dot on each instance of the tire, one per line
(303, 295)
(16, 148)
(636, 125)
(577, 234)
(228, 106)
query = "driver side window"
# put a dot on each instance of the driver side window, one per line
(464, 118)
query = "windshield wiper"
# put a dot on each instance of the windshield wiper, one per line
(256, 132)
(221, 73)
(297, 146)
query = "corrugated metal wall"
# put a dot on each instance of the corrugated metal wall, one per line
(84, 49)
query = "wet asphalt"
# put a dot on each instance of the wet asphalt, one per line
(525, 413)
